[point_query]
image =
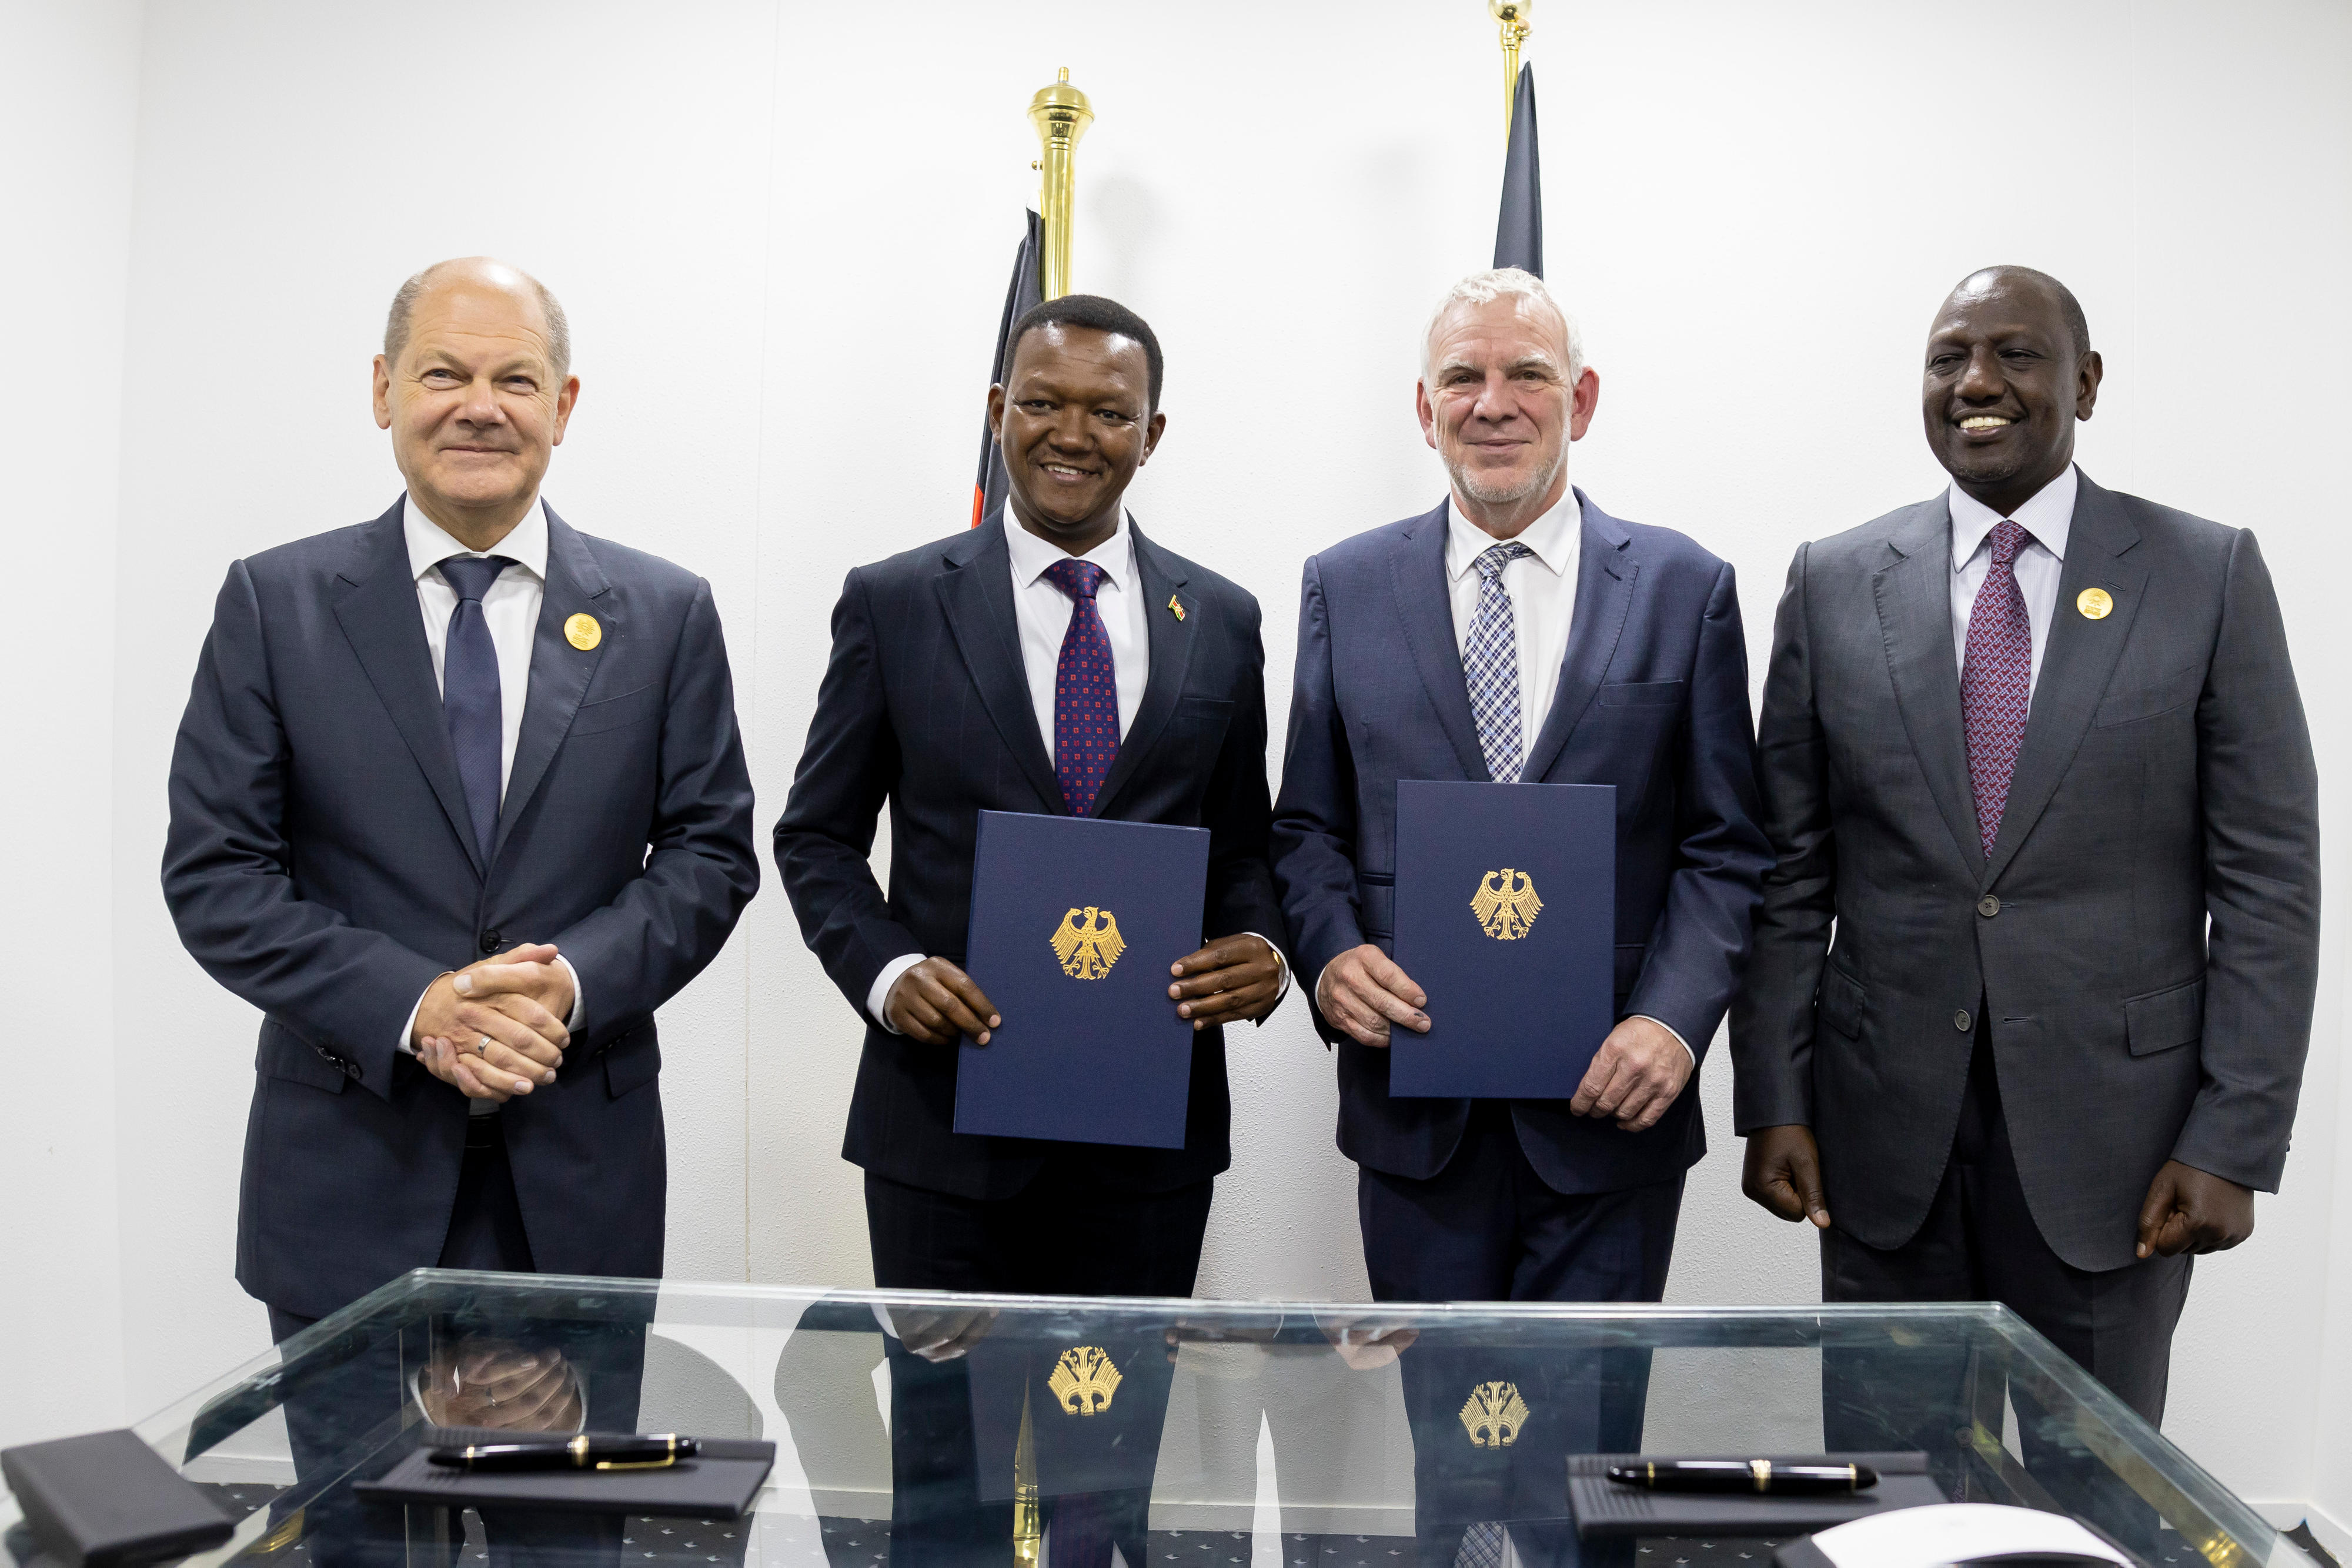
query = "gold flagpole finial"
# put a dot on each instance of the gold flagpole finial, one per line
(1061, 114)
(1513, 15)
(1028, 1516)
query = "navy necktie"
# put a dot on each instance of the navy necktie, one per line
(469, 691)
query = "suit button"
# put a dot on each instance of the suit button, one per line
(1960, 1021)
(352, 1070)
(1987, 907)
(492, 941)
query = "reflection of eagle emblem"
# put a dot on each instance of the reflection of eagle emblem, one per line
(1088, 943)
(1493, 1415)
(1084, 1379)
(1505, 911)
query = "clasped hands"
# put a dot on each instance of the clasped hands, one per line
(496, 1027)
(1635, 1075)
(1230, 980)
(2185, 1209)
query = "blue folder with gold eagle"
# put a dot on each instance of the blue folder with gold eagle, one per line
(1506, 909)
(1074, 922)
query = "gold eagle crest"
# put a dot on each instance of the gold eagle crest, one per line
(1504, 911)
(1088, 943)
(1084, 1380)
(1494, 1414)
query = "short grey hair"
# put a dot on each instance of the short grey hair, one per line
(404, 312)
(1480, 288)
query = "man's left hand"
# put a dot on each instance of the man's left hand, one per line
(1634, 1077)
(2190, 1210)
(1231, 980)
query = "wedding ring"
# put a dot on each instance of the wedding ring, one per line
(482, 1046)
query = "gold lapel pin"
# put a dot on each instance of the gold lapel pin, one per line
(2095, 604)
(1176, 607)
(583, 633)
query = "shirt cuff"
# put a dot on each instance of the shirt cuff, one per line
(407, 1044)
(1676, 1033)
(1282, 987)
(877, 997)
(579, 996)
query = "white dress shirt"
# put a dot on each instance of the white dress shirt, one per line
(1542, 587)
(2047, 516)
(510, 610)
(1044, 611)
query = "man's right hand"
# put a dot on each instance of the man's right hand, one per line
(1363, 992)
(482, 1032)
(937, 1004)
(1783, 1172)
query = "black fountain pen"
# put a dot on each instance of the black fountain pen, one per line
(612, 1452)
(1744, 1475)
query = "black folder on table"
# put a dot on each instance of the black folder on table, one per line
(717, 1483)
(1506, 917)
(106, 1500)
(1603, 1509)
(1075, 922)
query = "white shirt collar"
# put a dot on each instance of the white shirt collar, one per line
(429, 544)
(1031, 555)
(1554, 537)
(2047, 516)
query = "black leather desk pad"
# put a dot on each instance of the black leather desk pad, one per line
(1603, 1509)
(718, 1483)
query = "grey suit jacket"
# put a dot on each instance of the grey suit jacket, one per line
(2164, 780)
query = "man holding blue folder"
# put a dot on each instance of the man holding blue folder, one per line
(1518, 633)
(1050, 661)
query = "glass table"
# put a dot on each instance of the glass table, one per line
(915, 1429)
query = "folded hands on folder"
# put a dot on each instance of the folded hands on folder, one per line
(1230, 980)
(1634, 1077)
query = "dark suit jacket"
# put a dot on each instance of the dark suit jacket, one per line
(321, 865)
(2165, 777)
(925, 706)
(1652, 699)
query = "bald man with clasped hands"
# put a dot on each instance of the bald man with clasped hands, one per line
(458, 801)
(2033, 976)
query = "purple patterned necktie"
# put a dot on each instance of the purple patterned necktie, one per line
(1086, 691)
(1996, 680)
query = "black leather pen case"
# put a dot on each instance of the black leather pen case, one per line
(718, 1483)
(1603, 1509)
(107, 1500)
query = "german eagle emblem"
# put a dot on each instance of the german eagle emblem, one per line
(1506, 911)
(1493, 1415)
(1088, 943)
(1084, 1380)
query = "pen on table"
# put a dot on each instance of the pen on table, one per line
(1743, 1474)
(581, 1453)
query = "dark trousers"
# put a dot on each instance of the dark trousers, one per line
(1979, 1243)
(1063, 1235)
(1487, 1227)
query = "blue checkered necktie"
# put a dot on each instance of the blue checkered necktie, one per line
(471, 703)
(1490, 661)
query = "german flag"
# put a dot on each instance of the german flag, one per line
(988, 486)
(1518, 228)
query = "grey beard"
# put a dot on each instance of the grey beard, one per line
(1504, 495)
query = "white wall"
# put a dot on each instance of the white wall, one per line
(782, 234)
(68, 104)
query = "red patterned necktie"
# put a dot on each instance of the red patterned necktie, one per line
(1996, 680)
(1086, 691)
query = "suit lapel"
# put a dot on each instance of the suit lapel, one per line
(560, 673)
(2077, 662)
(1170, 641)
(976, 595)
(1605, 574)
(1915, 618)
(1425, 611)
(379, 616)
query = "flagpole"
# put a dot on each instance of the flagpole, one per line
(1513, 17)
(1061, 114)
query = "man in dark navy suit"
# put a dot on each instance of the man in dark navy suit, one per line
(952, 665)
(1517, 632)
(458, 801)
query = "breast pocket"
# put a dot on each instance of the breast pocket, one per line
(1643, 694)
(2174, 691)
(641, 706)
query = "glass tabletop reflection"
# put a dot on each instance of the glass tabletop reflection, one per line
(914, 1429)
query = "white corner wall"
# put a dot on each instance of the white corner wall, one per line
(782, 230)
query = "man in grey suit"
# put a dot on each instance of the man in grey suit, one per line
(2035, 750)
